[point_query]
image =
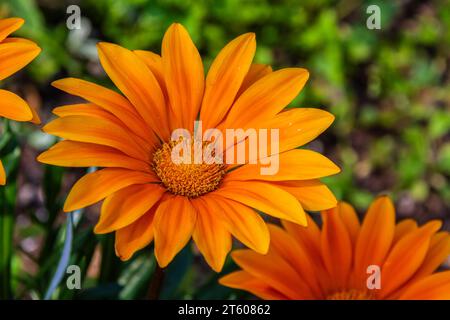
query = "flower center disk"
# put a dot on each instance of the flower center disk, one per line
(186, 179)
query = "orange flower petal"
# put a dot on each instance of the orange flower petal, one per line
(9, 25)
(403, 228)
(211, 236)
(256, 72)
(174, 223)
(137, 83)
(80, 154)
(99, 131)
(125, 206)
(14, 107)
(437, 253)
(243, 222)
(351, 221)
(183, 74)
(276, 272)
(433, 287)
(135, 236)
(406, 257)
(104, 182)
(375, 238)
(297, 164)
(312, 194)
(283, 244)
(308, 236)
(336, 247)
(258, 195)
(154, 63)
(297, 126)
(266, 97)
(15, 55)
(225, 77)
(245, 281)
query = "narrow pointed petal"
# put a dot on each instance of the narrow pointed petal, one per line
(99, 131)
(403, 228)
(183, 75)
(257, 286)
(79, 154)
(433, 287)
(267, 97)
(211, 236)
(437, 253)
(265, 197)
(256, 72)
(375, 238)
(104, 182)
(312, 194)
(406, 257)
(273, 269)
(243, 222)
(9, 25)
(154, 63)
(14, 55)
(14, 107)
(174, 223)
(297, 126)
(130, 74)
(135, 236)
(225, 77)
(125, 206)
(297, 164)
(337, 248)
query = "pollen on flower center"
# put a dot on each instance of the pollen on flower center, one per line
(190, 180)
(351, 294)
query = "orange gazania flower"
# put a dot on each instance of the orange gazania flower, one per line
(146, 194)
(15, 53)
(341, 260)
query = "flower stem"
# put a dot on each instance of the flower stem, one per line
(156, 282)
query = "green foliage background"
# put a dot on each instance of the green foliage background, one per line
(389, 90)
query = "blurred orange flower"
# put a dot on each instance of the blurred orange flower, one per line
(338, 260)
(149, 196)
(15, 53)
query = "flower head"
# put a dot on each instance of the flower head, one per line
(147, 194)
(346, 260)
(15, 53)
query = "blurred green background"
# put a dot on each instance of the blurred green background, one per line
(389, 90)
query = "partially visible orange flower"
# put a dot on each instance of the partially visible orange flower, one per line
(15, 53)
(146, 195)
(339, 260)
